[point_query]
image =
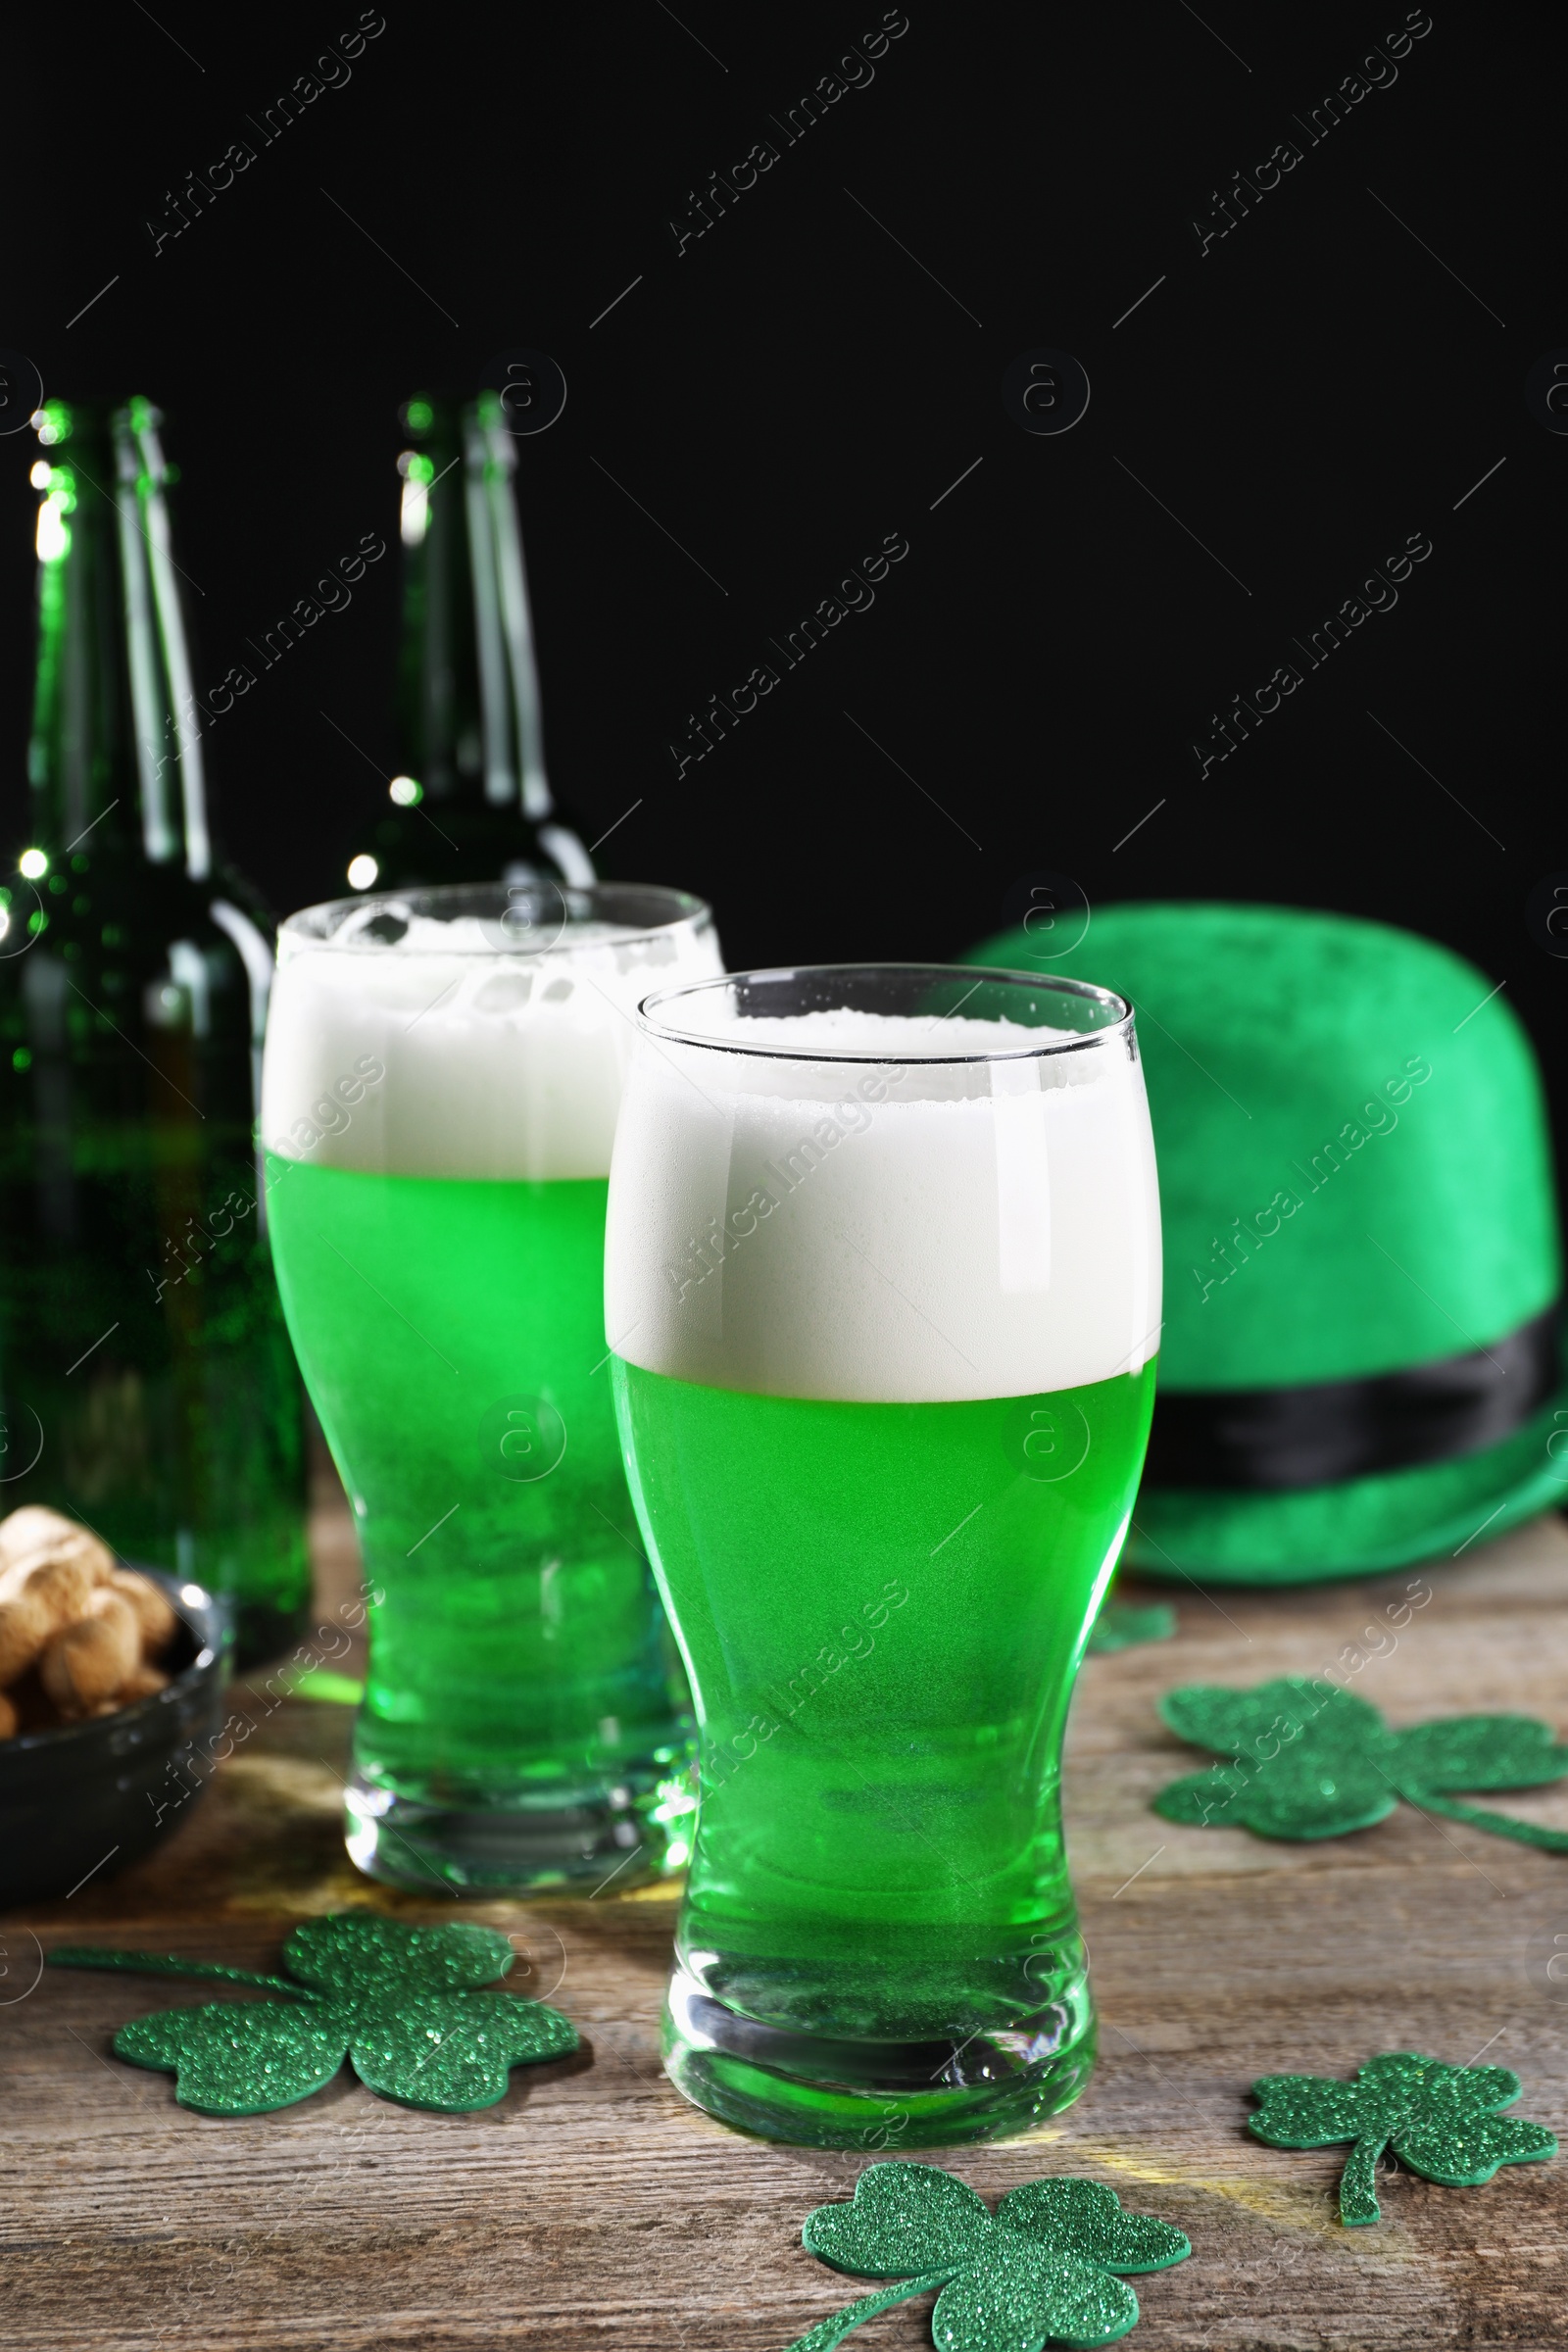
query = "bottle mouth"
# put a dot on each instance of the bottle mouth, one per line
(489, 919)
(913, 1003)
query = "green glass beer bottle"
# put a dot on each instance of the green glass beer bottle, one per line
(147, 1386)
(472, 802)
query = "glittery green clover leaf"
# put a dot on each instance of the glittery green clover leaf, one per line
(402, 2003)
(1439, 2120)
(240, 2057)
(1120, 1626)
(1303, 1762)
(1482, 1751)
(1041, 2269)
(1305, 1759)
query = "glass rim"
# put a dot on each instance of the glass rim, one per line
(1075, 1043)
(307, 929)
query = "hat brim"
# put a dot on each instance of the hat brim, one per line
(1368, 1525)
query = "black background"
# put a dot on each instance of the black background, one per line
(795, 385)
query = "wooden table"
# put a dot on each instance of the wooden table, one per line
(592, 2205)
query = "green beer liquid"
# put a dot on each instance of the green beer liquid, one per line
(882, 1608)
(448, 1332)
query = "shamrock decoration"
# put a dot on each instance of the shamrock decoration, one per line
(399, 2002)
(1041, 2268)
(1307, 1760)
(1120, 1626)
(1438, 2120)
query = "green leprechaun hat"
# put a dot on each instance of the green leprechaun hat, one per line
(1359, 1359)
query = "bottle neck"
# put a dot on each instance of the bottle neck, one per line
(115, 758)
(469, 685)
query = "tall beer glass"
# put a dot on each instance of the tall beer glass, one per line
(882, 1279)
(442, 1075)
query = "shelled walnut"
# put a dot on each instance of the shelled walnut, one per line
(79, 1634)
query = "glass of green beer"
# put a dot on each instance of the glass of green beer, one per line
(442, 1075)
(882, 1281)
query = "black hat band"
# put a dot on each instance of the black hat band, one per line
(1328, 1432)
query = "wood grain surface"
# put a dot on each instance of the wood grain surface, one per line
(594, 2206)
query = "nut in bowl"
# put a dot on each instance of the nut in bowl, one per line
(109, 1700)
(79, 1634)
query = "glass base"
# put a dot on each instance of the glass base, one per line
(875, 2095)
(513, 1849)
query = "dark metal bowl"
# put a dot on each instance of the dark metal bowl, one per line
(83, 1801)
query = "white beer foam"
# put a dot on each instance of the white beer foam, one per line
(841, 1030)
(863, 1231)
(417, 1060)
